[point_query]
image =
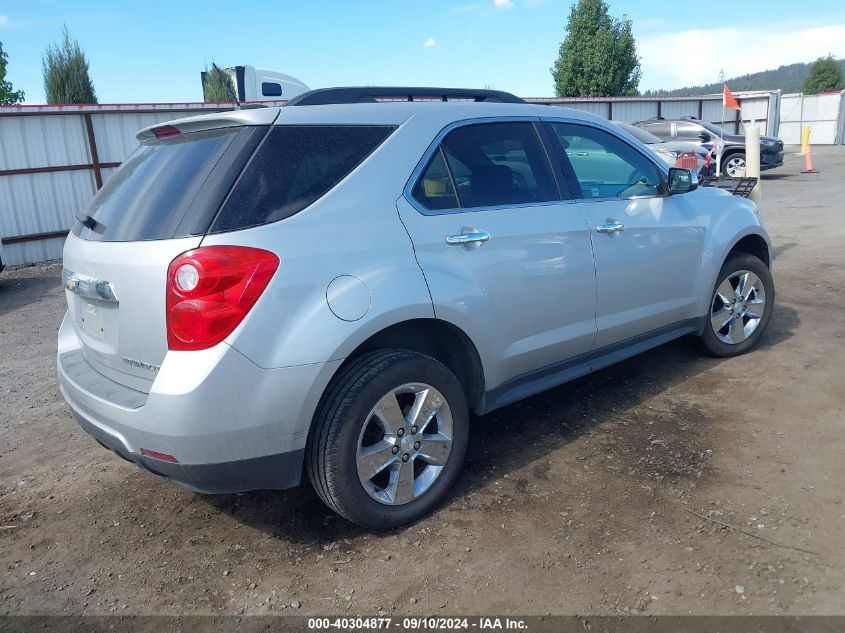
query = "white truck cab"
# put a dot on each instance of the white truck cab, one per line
(260, 84)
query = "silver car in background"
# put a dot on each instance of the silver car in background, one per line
(330, 287)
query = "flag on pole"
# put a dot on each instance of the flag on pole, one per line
(728, 100)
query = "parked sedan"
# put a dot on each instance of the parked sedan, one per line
(668, 150)
(733, 156)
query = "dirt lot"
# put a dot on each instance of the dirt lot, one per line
(579, 500)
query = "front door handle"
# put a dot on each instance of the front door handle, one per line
(611, 226)
(468, 236)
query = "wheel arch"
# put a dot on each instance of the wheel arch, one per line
(752, 244)
(439, 339)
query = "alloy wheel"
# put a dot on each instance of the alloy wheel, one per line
(738, 306)
(735, 167)
(404, 443)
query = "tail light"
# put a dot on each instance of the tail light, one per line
(210, 290)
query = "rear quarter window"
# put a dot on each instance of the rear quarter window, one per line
(294, 167)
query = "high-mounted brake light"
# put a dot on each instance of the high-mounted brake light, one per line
(210, 290)
(166, 131)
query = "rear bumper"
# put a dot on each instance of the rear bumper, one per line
(232, 426)
(269, 472)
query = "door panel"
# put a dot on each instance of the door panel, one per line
(648, 275)
(526, 296)
(647, 246)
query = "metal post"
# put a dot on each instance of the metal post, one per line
(92, 147)
(752, 158)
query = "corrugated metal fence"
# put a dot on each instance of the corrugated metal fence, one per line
(825, 113)
(54, 158)
(755, 106)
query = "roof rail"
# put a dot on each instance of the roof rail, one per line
(369, 94)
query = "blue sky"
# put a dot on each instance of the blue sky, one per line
(154, 50)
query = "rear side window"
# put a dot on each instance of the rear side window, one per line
(435, 189)
(154, 189)
(295, 166)
(498, 164)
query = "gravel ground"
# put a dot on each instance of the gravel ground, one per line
(586, 499)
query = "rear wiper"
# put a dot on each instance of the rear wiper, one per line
(90, 223)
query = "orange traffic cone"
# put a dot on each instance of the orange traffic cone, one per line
(808, 162)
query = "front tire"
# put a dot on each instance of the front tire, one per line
(388, 439)
(735, 165)
(741, 306)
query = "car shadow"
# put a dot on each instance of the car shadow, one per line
(511, 438)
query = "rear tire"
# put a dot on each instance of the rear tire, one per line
(741, 305)
(399, 416)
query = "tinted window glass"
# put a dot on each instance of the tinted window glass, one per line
(148, 196)
(603, 165)
(295, 166)
(434, 189)
(498, 164)
(661, 129)
(638, 133)
(271, 89)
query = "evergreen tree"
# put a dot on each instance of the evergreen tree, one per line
(825, 76)
(66, 77)
(598, 56)
(8, 95)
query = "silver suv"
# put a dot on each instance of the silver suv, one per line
(330, 287)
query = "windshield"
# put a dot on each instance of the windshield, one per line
(638, 133)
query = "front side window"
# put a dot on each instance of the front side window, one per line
(294, 167)
(601, 165)
(489, 164)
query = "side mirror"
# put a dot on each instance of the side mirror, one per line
(682, 180)
(704, 136)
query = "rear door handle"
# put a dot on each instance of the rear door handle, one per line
(468, 236)
(611, 227)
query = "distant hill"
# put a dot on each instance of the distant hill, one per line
(788, 78)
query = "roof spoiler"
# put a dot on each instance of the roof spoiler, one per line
(210, 121)
(370, 94)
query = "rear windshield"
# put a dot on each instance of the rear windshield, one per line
(155, 190)
(293, 167)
